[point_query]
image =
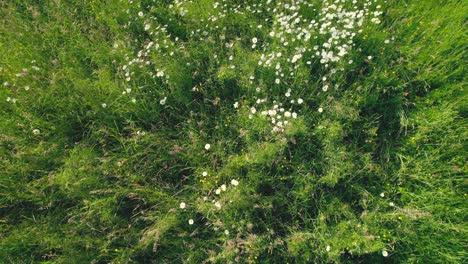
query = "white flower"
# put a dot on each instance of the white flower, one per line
(36, 131)
(140, 14)
(204, 173)
(236, 105)
(327, 248)
(296, 58)
(294, 115)
(218, 205)
(382, 195)
(190, 221)
(218, 191)
(387, 41)
(207, 146)
(26, 88)
(226, 232)
(277, 81)
(104, 105)
(254, 40)
(391, 204)
(300, 101)
(147, 26)
(287, 114)
(325, 88)
(223, 187)
(320, 109)
(163, 101)
(234, 182)
(385, 253)
(182, 205)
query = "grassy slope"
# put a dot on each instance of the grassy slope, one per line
(399, 129)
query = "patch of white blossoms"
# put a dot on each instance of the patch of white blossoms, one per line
(299, 33)
(293, 39)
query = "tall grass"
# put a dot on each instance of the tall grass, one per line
(107, 112)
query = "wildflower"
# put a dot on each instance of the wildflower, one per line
(287, 114)
(26, 88)
(218, 191)
(204, 173)
(182, 205)
(254, 40)
(234, 182)
(207, 146)
(223, 187)
(385, 253)
(296, 58)
(300, 101)
(391, 204)
(36, 131)
(163, 101)
(140, 14)
(320, 109)
(327, 248)
(218, 205)
(236, 105)
(104, 105)
(226, 232)
(190, 221)
(382, 195)
(294, 115)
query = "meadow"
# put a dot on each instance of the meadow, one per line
(223, 131)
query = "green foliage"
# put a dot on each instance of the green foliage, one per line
(95, 167)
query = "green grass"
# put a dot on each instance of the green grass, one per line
(89, 175)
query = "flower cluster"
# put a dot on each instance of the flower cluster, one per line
(286, 39)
